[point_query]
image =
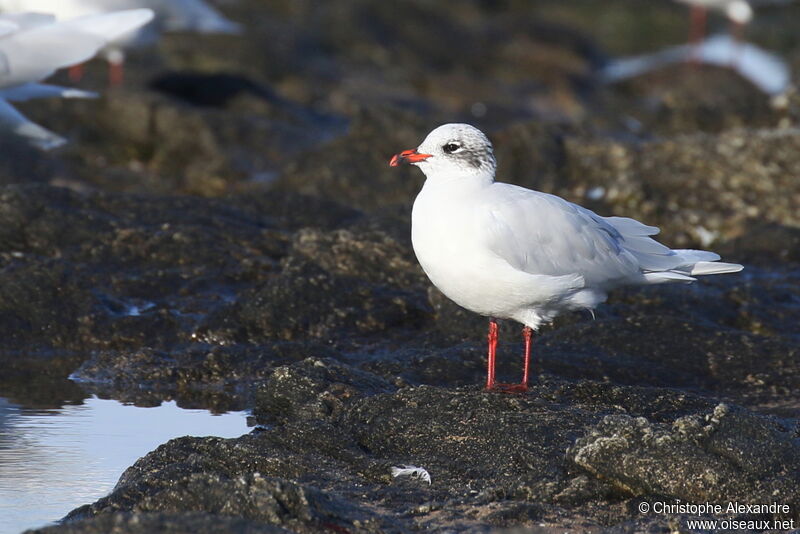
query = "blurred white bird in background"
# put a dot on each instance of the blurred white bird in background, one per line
(767, 71)
(170, 15)
(33, 46)
(738, 12)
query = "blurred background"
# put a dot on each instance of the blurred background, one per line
(315, 96)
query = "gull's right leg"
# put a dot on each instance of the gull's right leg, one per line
(492, 338)
(697, 31)
(76, 73)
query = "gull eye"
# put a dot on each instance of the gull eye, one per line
(451, 148)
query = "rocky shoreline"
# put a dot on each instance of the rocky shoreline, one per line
(252, 252)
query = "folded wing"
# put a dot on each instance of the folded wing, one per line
(543, 234)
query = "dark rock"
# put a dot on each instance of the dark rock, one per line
(726, 455)
(140, 142)
(245, 477)
(313, 389)
(517, 439)
(370, 254)
(354, 169)
(147, 523)
(41, 303)
(683, 98)
(318, 292)
(697, 188)
(696, 356)
(494, 460)
(253, 497)
(306, 300)
(211, 376)
(27, 163)
(764, 244)
(130, 279)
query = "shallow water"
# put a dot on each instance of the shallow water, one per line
(54, 460)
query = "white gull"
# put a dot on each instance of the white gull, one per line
(507, 252)
(170, 15)
(765, 70)
(33, 46)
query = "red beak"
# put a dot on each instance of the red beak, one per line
(408, 156)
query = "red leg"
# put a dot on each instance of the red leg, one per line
(522, 387)
(697, 30)
(490, 383)
(738, 35)
(116, 73)
(527, 333)
(76, 73)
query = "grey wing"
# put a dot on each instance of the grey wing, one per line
(544, 234)
(13, 22)
(7, 27)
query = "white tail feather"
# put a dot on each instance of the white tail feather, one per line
(706, 267)
(693, 263)
(663, 277)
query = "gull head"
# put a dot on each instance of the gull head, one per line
(452, 151)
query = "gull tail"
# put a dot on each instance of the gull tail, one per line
(692, 263)
(658, 263)
(702, 268)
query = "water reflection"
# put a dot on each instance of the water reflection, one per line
(53, 460)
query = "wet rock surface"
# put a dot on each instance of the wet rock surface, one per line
(578, 455)
(225, 231)
(157, 522)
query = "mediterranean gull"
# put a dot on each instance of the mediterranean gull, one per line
(507, 252)
(33, 46)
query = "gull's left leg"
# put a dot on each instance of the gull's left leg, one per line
(116, 73)
(527, 334)
(737, 30)
(492, 338)
(697, 26)
(116, 67)
(697, 32)
(76, 72)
